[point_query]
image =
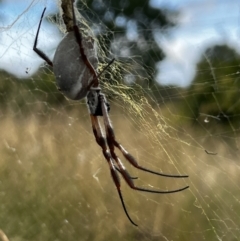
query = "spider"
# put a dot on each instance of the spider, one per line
(74, 66)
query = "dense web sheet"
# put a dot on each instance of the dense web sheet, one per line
(55, 183)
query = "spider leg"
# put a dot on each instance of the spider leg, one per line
(121, 172)
(112, 143)
(101, 141)
(133, 161)
(106, 67)
(79, 39)
(38, 51)
(129, 181)
(128, 156)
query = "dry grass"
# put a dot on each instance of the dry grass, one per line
(55, 185)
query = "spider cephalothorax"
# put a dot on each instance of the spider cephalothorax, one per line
(75, 68)
(94, 102)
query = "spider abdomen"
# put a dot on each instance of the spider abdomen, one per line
(72, 74)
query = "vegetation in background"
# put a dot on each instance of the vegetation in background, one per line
(214, 93)
(55, 184)
(126, 31)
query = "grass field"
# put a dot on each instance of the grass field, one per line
(55, 183)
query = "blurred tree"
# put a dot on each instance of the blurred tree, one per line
(128, 31)
(213, 96)
(39, 91)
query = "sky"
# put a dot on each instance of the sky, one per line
(200, 25)
(18, 25)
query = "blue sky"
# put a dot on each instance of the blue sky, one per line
(18, 25)
(201, 24)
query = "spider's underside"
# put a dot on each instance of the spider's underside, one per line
(74, 66)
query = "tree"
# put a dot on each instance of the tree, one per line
(121, 17)
(216, 88)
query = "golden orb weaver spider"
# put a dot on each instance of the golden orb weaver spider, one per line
(74, 66)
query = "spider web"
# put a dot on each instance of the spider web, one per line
(54, 181)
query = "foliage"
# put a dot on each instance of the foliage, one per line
(214, 94)
(55, 185)
(39, 90)
(212, 101)
(125, 29)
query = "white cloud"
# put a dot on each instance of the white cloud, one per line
(201, 24)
